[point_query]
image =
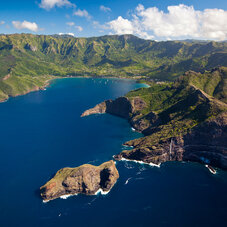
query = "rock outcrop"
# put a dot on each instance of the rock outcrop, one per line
(120, 107)
(30, 47)
(98, 109)
(206, 143)
(86, 179)
(126, 108)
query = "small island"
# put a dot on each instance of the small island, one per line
(85, 179)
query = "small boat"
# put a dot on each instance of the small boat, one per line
(211, 169)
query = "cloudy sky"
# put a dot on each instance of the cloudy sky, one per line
(149, 19)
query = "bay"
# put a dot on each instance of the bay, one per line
(42, 132)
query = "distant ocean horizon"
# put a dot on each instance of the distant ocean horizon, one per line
(42, 132)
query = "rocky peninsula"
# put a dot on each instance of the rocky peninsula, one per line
(85, 179)
(182, 121)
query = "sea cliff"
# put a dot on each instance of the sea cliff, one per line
(86, 179)
(180, 121)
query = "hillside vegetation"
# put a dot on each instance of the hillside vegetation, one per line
(27, 61)
(184, 120)
(180, 106)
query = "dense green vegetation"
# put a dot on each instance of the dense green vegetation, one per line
(213, 82)
(29, 59)
(180, 106)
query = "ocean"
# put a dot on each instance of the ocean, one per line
(42, 132)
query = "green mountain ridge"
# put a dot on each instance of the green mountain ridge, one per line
(191, 120)
(31, 60)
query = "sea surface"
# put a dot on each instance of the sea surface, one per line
(42, 132)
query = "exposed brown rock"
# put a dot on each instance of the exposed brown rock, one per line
(120, 107)
(98, 109)
(205, 143)
(169, 150)
(126, 108)
(86, 179)
(138, 104)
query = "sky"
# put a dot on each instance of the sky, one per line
(148, 19)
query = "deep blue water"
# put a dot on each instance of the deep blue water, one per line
(42, 132)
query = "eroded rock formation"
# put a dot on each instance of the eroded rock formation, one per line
(206, 143)
(120, 107)
(86, 179)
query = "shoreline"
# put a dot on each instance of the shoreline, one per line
(141, 162)
(42, 88)
(66, 196)
(47, 83)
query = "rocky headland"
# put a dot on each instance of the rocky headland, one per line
(180, 121)
(86, 179)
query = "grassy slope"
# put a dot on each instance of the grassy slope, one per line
(212, 82)
(26, 57)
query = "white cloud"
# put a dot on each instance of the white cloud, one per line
(72, 34)
(121, 26)
(2, 22)
(105, 9)
(139, 8)
(82, 13)
(214, 24)
(25, 25)
(79, 28)
(124, 26)
(49, 4)
(70, 24)
(179, 22)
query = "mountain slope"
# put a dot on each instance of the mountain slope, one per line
(32, 56)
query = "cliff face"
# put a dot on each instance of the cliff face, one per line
(98, 109)
(86, 179)
(206, 143)
(123, 107)
(180, 123)
(120, 107)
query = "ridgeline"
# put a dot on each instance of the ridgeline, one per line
(28, 62)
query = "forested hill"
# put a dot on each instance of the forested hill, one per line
(27, 61)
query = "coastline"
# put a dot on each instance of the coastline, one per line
(36, 88)
(47, 83)
(141, 162)
(66, 196)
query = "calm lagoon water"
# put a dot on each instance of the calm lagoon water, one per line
(42, 132)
